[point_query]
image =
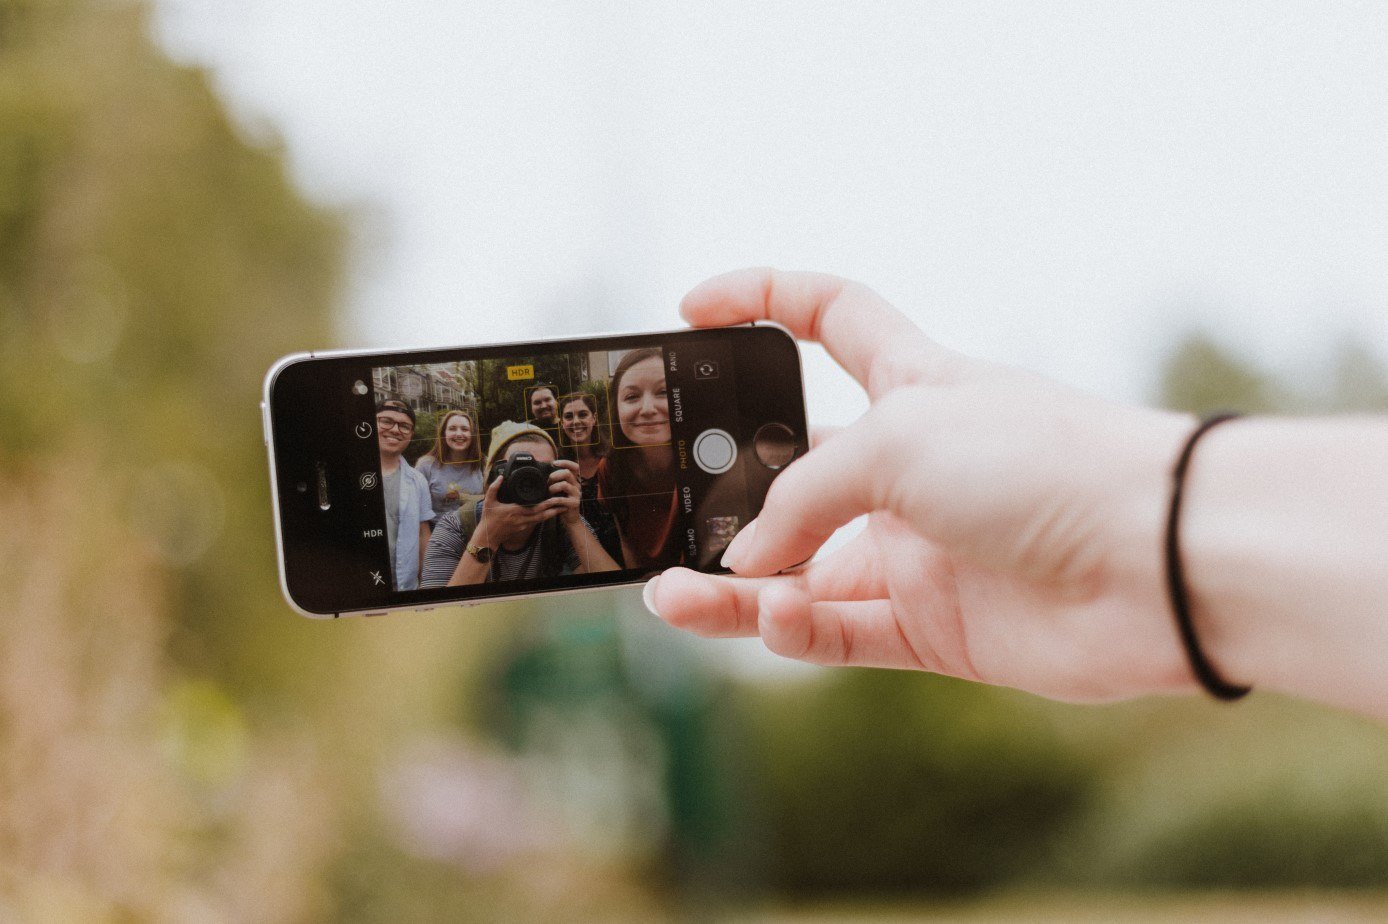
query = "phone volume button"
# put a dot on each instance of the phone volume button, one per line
(265, 421)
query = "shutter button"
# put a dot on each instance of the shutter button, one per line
(715, 451)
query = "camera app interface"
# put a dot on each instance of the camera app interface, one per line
(548, 468)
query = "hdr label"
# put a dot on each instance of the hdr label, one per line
(520, 373)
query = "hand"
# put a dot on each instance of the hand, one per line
(563, 485)
(508, 524)
(1014, 524)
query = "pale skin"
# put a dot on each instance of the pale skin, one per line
(643, 413)
(543, 407)
(578, 421)
(457, 440)
(510, 526)
(393, 432)
(457, 446)
(1015, 527)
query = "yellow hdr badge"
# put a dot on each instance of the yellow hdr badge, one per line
(519, 373)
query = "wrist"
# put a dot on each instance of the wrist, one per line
(1233, 547)
(1134, 510)
(1283, 563)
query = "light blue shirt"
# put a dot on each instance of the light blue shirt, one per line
(414, 509)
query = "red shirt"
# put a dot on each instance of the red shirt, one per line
(646, 514)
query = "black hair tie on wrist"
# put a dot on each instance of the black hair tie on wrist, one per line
(1204, 671)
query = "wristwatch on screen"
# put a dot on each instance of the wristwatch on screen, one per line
(482, 553)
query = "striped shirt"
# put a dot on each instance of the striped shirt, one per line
(549, 553)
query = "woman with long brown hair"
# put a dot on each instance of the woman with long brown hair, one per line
(583, 439)
(636, 482)
(453, 467)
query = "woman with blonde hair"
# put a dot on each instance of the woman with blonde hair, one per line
(453, 467)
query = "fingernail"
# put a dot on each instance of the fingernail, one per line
(737, 550)
(648, 596)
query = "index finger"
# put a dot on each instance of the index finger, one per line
(856, 325)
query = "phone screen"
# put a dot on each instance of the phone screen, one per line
(611, 459)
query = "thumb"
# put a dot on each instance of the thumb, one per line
(838, 481)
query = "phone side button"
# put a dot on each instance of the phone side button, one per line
(265, 421)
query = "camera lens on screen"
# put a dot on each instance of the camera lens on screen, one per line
(525, 481)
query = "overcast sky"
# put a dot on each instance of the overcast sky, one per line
(1064, 186)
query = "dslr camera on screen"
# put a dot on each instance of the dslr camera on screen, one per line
(525, 481)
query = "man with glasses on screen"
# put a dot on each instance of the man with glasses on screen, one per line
(409, 512)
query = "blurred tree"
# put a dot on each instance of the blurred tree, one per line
(897, 782)
(153, 263)
(1358, 380)
(1201, 377)
(172, 737)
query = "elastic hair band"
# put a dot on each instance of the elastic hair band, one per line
(1204, 671)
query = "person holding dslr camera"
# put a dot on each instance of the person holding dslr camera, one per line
(526, 526)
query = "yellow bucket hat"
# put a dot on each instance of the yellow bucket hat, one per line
(506, 433)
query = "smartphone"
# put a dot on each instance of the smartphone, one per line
(419, 478)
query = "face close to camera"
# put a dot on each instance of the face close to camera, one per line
(577, 422)
(642, 405)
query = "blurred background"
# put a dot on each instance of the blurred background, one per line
(1180, 203)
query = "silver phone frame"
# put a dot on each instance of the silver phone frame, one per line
(285, 361)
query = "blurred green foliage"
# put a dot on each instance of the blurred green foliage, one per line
(153, 261)
(1202, 378)
(895, 782)
(152, 264)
